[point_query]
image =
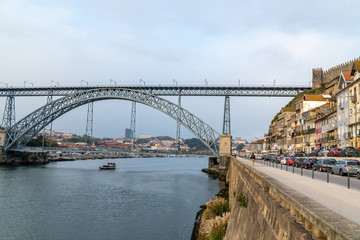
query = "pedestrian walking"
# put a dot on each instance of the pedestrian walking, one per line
(252, 158)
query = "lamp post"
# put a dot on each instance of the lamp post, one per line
(87, 84)
(174, 82)
(7, 85)
(28, 82)
(142, 81)
(112, 81)
(206, 82)
(52, 81)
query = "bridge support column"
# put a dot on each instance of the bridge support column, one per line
(89, 121)
(48, 101)
(226, 122)
(225, 150)
(178, 125)
(9, 113)
(212, 162)
(133, 124)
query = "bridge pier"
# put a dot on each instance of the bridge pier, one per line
(225, 150)
(213, 161)
(23, 158)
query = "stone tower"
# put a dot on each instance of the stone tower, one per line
(317, 77)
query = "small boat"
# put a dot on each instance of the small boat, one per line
(109, 166)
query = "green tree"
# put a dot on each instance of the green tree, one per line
(38, 142)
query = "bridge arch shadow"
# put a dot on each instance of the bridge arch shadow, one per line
(28, 127)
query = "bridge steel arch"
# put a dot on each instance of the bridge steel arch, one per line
(32, 124)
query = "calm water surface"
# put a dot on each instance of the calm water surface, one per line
(144, 198)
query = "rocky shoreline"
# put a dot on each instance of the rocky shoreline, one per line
(220, 174)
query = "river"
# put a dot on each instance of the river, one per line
(144, 198)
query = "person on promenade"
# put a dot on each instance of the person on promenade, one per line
(252, 158)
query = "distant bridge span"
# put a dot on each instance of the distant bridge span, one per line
(32, 124)
(250, 91)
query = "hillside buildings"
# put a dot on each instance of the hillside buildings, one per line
(327, 116)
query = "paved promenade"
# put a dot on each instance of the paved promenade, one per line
(339, 199)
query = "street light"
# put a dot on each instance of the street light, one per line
(142, 81)
(112, 81)
(274, 82)
(84, 82)
(7, 85)
(206, 82)
(28, 82)
(174, 81)
(52, 81)
(239, 83)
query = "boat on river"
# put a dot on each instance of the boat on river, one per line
(109, 166)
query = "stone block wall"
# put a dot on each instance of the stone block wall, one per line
(23, 158)
(275, 211)
(263, 217)
(323, 77)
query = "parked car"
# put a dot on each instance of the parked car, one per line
(308, 163)
(348, 152)
(299, 154)
(268, 157)
(314, 153)
(334, 152)
(298, 161)
(284, 160)
(323, 152)
(324, 164)
(273, 158)
(344, 167)
(278, 159)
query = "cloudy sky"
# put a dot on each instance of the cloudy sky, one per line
(255, 41)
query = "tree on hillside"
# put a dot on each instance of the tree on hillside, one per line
(195, 144)
(38, 141)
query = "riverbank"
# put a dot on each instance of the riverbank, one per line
(200, 226)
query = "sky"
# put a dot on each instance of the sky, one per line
(256, 42)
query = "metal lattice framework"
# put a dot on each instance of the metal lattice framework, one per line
(226, 121)
(33, 123)
(254, 91)
(9, 113)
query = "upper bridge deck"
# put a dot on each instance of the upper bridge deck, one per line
(253, 91)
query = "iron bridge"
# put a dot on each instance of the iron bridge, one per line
(28, 127)
(251, 91)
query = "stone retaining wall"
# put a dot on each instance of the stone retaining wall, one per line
(275, 211)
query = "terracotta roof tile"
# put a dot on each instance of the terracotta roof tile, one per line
(288, 109)
(347, 76)
(313, 98)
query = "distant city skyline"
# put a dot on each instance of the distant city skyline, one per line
(255, 42)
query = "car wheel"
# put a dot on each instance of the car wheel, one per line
(358, 175)
(341, 172)
(320, 169)
(332, 171)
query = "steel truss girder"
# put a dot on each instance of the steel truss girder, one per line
(89, 121)
(177, 140)
(33, 123)
(226, 121)
(9, 113)
(133, 122)
(253, 91)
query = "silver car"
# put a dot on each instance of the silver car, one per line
(345, 167)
